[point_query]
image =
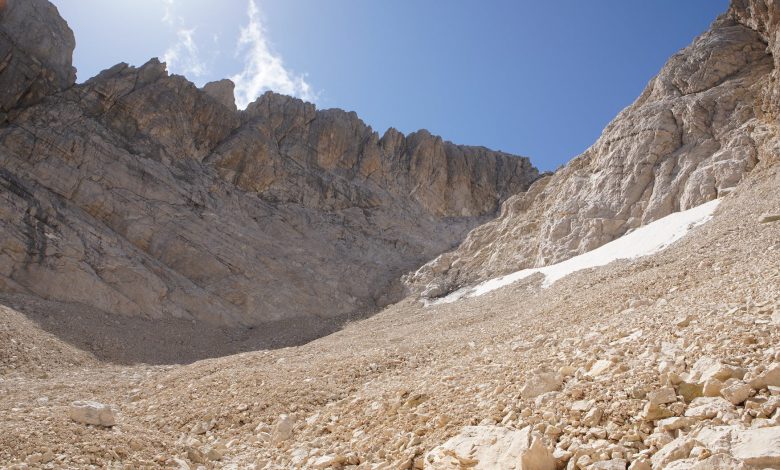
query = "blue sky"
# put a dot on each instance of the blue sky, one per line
(535, 78)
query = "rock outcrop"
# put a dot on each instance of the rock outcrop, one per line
(36, 47)
(139, 194)
(701, 124)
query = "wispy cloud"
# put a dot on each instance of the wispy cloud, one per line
(168, 16)
(263, 69)
(183, 56)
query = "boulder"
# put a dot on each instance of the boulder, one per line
(758, 447)
(92, 412)
(769, 377)
(677, 449)
(540, 382)
(708, 407)
(491, 447)
(283, 429)
(736, 392)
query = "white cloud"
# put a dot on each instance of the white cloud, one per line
(168, 16)
(263, 69)
(183, 57)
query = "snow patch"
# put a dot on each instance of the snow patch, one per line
(643, 241)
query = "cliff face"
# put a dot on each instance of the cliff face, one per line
(36, 49)
(708, 118)
(138, 193)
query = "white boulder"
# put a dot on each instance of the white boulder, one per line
(92, 412)
(491, 447)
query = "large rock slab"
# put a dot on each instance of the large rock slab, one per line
(92, 412)
(490, 447)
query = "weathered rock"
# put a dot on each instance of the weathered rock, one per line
(719, 462)
(689, 391)
(284, 428)
(613, 464)
(758, 447)
(678, 449)
(708, 368)
(769, 377)
(737, 392)
(707, 408)
(662, 396)
(222, 91)
(36, 46)
(92, 412)
(541, 382)
(640, 464)
(149, 198)
(489, 447)
(675, 423)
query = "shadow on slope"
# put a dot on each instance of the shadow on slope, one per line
(127, 340)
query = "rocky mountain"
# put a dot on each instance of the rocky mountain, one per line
(668, 359)
(705, 121)
(139, 194)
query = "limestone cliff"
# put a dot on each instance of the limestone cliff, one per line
(700, 125)
(139, 194)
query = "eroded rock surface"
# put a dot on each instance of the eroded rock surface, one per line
(36, 48)
(700, 125)
(139, 194)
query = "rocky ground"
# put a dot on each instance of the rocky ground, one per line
(668, 361)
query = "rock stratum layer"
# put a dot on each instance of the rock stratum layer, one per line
(139, 194)
(699, 126)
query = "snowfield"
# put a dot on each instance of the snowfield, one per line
(645, 240)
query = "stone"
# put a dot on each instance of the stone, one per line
(675, 423)
(662, 396)
(737, 392)
(283, 430)
(489, 447)
(689, 391)
(640, 464)
(707, 368)
(684, 464)
(677, 449)
(582, 405)
(719, 462)
(767, 218)
(92, 412)
(769, 377)
(600, 367)
(593, 417)
(758, 447)
(330, 460)
(712, 388)
(196, 456)
(652, 412)
(613, 464)
(708, 408)
(541, 382)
